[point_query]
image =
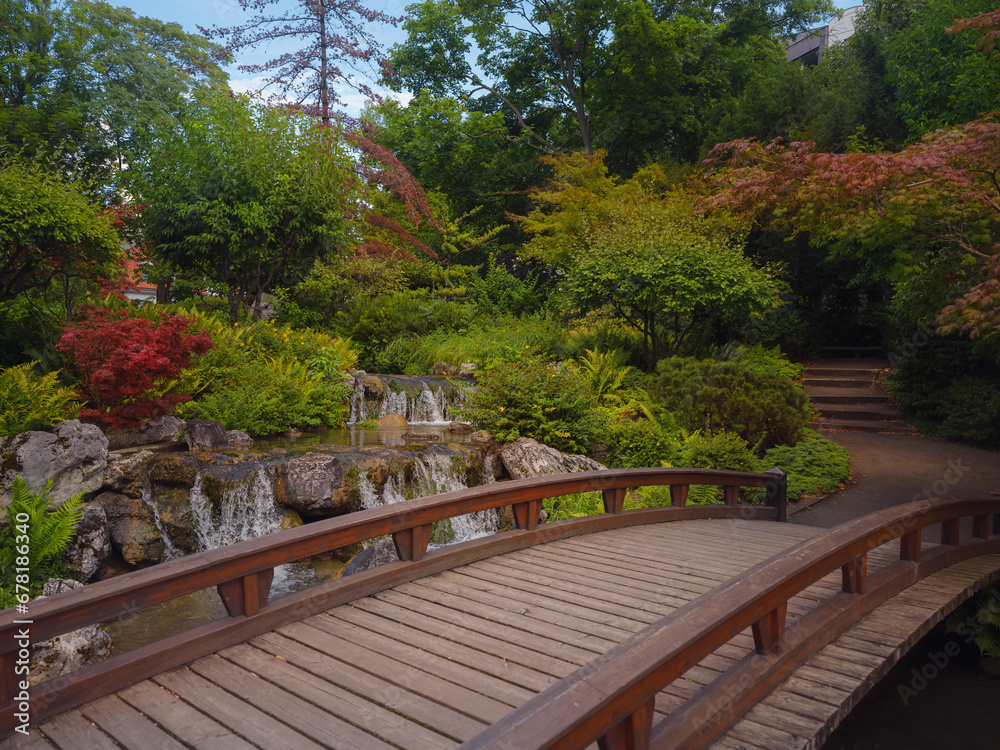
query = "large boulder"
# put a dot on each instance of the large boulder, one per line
(205, 434)
(174, 471)
(312, 485)
(163, 430)
(239, 439)
(392, 420)
(68, 652)
(381, 552)
(525, 458)
(126, 473)
(133, 529)
(88, 550)
(73, 456)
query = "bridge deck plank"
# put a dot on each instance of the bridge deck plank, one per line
(430, 663)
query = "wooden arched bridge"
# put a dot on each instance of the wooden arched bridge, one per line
(682, 626)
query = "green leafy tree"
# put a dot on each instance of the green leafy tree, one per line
(93, 82)
(247, 196)
(50, 228)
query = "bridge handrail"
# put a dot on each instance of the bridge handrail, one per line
(611, 699)
(242, 572)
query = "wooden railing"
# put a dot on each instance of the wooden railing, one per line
(242, 573)
(611, 699)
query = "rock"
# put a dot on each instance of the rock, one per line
(467, 368)
(126, 473)
(73, 457)
(88, 550)
(174, 471)
(293, 433)
(312, 485)
(163, 430)
(133, 529)
(289, 519)
(443, 368)
(392, 420)
(68, 652)
(421, 437)
(528, 458)
(461, 428)
(381, 552)
(176, 517)
(481, 437)
(205, 434)
(113, 566)
(374, 386)
(239, 439)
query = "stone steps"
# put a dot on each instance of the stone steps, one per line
(845, 394)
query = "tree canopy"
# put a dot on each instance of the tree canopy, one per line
(243, 194)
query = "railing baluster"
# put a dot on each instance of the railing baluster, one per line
(949, 532)
(678, 495)
(770, 629)
(246, 595)
(981, 527)
(631, 733)
(854, 575)
(731, 493)
(526, 514)
(614, 500)
(909, 546)
(777, 492)
(411, 544)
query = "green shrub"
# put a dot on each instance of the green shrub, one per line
(29, 401)
(48, 533)
(582, 504)
(264, 378)
(498, 292)
(639, 443)
(524, 395)
(815, 465)
(761, 405)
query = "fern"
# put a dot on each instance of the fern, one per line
(29, 401)
(48, 534)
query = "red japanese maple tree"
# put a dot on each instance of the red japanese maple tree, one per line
(944, 189)
(128, 365)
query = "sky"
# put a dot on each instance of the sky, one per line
(191, 14)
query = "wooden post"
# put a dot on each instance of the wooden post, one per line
(777, 492)
(678, 495)
(631, 733)
(731, 493)
(411, 544)
(909, 546)
(526, 514)
(246, 595)
(770, 629)
(949, 532)
(981, 527)
(614, 500)
(854, 575)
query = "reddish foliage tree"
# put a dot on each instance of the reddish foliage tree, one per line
(988, 22)
(127, 364)
(944, 189)
(335, 43)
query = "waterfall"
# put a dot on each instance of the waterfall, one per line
(247, 511)
(433, 473)
(421, 400)
(170, 552)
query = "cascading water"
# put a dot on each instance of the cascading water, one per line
(170, 551)
(421, 400)
(247, 511)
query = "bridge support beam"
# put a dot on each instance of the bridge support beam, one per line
(614, 500)
(411, 544)
(678, 495)
(246, 595)
(632, 733)
(909, 546)
(981, 527)
(769, 630)
(949, 532)
(526, 514)
(855, 575)
(731, 493)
